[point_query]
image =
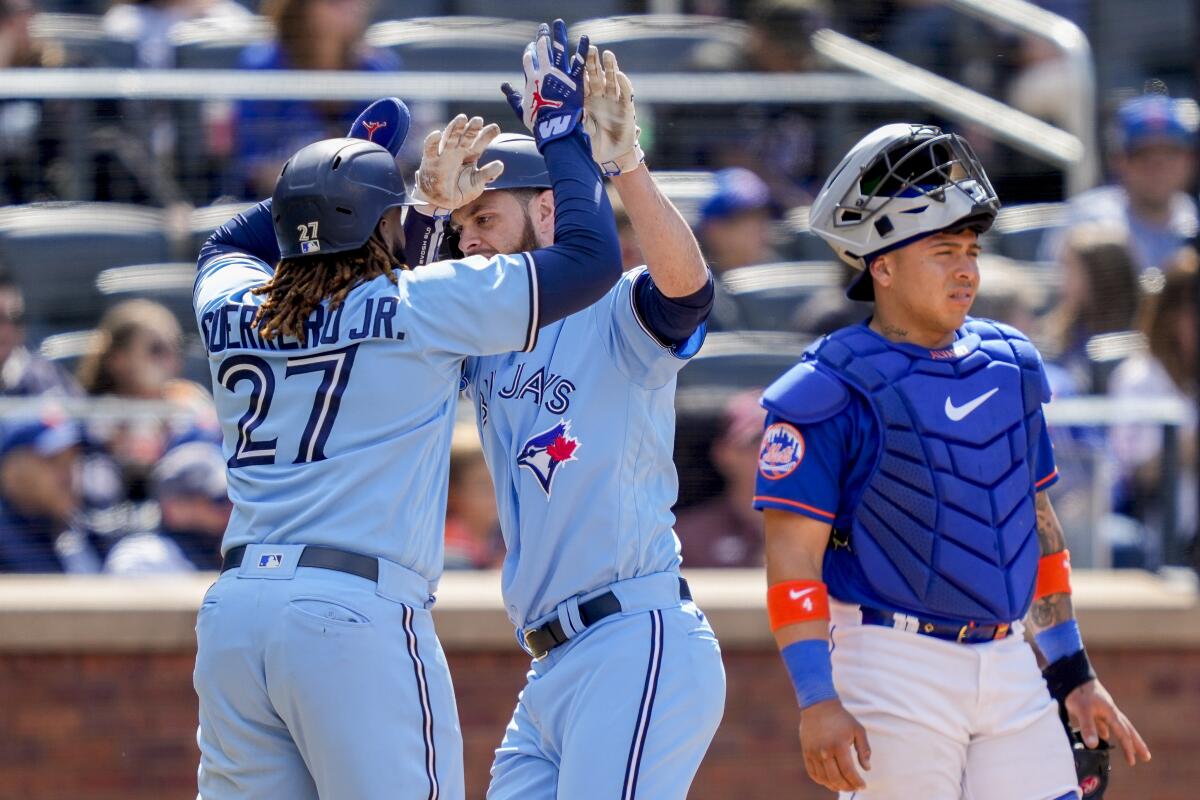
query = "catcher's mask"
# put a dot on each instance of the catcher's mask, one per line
(900, 183)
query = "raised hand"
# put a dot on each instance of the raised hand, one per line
(551, 104)
(449, 176)
(609, 118)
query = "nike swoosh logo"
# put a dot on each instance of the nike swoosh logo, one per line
(796, 595)
(959, 413)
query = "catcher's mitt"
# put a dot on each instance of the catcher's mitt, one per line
(1091, 765)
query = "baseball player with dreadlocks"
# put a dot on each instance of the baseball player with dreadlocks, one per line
(627, 687)
(336, 374)
(903, 477)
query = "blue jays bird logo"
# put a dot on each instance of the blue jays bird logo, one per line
(544, 453)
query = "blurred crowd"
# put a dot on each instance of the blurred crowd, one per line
(160, 152)
(146, 493)
(108, 489)
(120, 468)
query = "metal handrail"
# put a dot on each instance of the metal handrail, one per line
(230, 84)
(1022, 131)
(1085, 411)
(1025, 17)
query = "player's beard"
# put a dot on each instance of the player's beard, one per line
(528, 241)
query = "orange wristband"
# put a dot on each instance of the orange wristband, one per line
(796, 601)
(1054, 575)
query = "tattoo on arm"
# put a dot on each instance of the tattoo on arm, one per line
(1048, 611)
(1049, 529)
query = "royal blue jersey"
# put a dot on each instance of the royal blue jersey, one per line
(343, 439)
(578, 435)
(820, 470)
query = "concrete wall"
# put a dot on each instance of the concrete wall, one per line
(96, 699)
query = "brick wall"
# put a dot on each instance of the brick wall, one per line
(109, 726)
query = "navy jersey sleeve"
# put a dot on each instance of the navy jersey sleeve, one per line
(801, 467)
(1047, 470)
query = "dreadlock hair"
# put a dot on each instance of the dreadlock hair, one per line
(301, 284)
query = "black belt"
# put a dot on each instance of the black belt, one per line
(314, 556)
(968, 633)
(543, 639)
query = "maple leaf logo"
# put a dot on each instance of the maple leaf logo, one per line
(562, 448)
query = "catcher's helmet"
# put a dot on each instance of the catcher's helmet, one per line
(900, 183)
(524, 167)
(330, 195)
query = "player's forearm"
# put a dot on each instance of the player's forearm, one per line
(794, 553)
(798, 603)
(1052, 616)
(585, 259)
(423, 236)
(250, 232)
(1052, 609)
(672, 254)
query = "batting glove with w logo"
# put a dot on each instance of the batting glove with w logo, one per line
(552, 103)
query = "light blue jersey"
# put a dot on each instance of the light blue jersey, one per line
(578, 434)
(343, 439)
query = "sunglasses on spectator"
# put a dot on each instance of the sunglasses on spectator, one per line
(12, 319)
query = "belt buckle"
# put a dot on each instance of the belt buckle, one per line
(962, 632)
(537, 653)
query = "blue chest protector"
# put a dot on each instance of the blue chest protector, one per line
(946, 521)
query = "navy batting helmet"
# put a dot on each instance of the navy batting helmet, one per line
(524, 167)
(330, 195)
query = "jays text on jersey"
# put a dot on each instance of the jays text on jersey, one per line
(578, 434)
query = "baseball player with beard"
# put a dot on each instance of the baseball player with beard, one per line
(336, 372)
(627, 686)
(903, 477)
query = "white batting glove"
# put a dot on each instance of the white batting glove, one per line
(609, 117)
(449, 177)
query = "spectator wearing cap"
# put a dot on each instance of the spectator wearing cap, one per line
(735, 221)
(40, 500)
(190, 486)
(23, 374)
(1152, 142)
(724, 531)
